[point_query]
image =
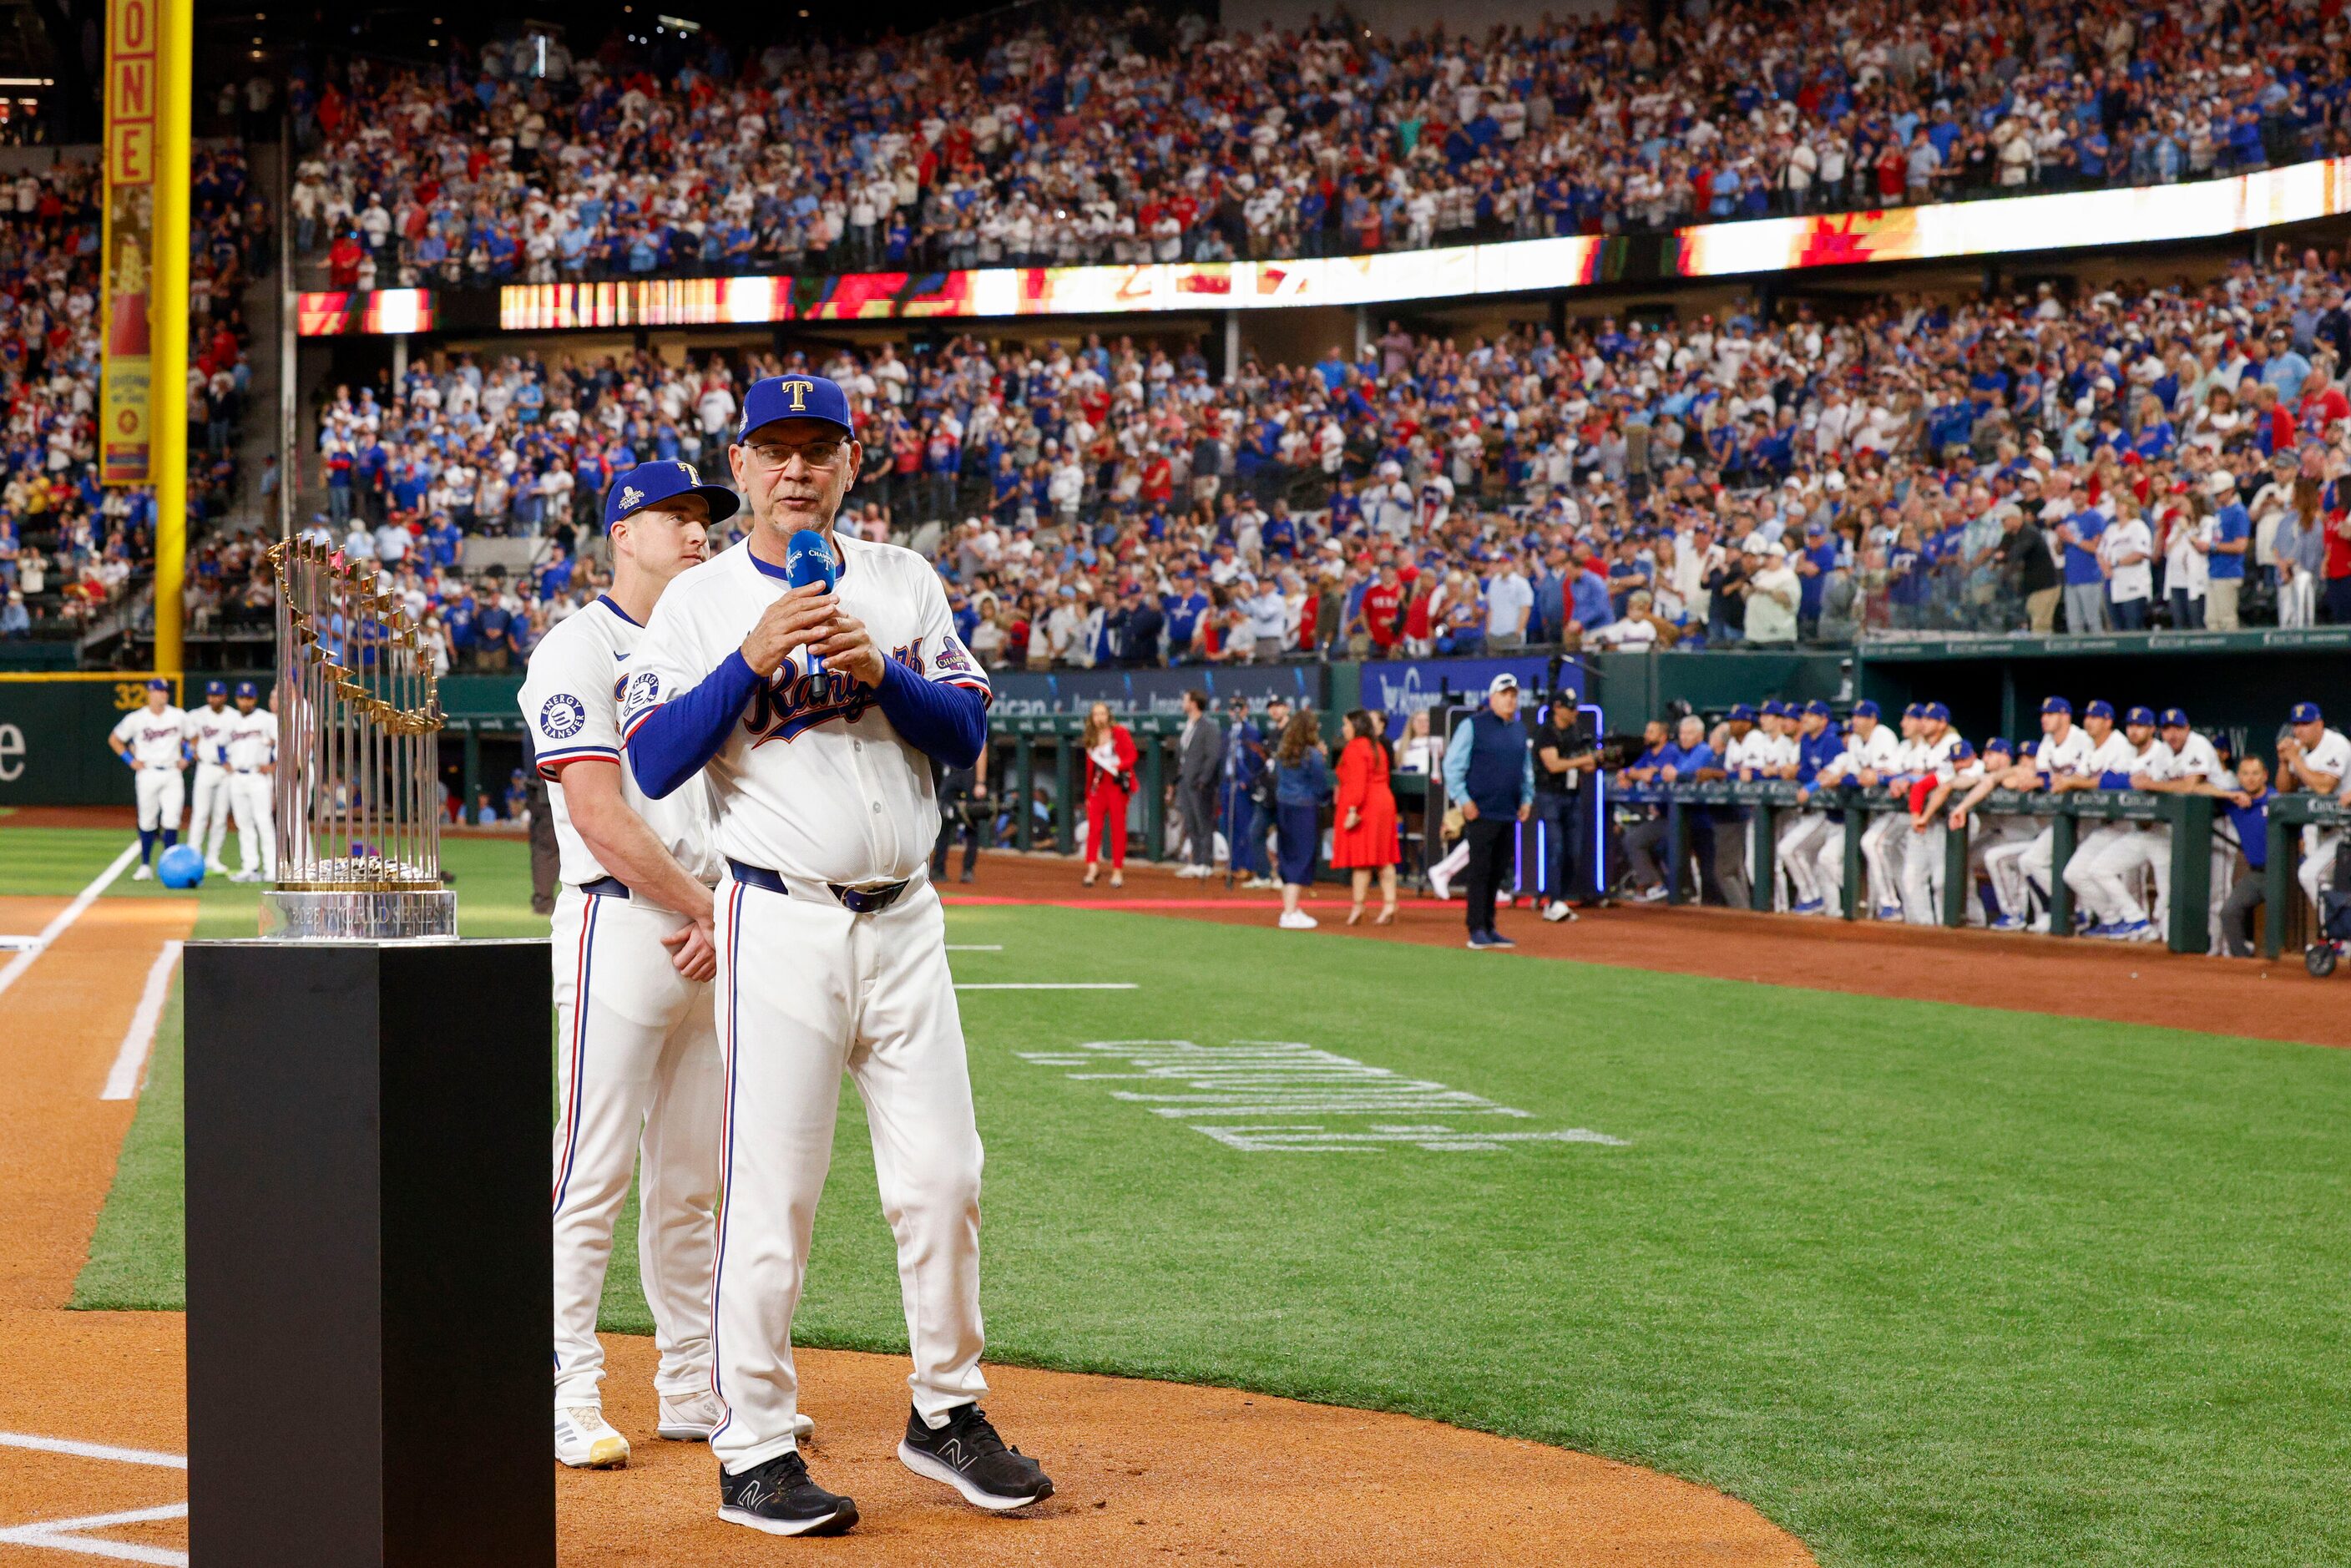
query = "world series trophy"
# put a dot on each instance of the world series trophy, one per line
(366, 1135)
(358, 792)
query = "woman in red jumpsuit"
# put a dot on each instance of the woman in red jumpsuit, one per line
(1364, 838)
(1110, 784)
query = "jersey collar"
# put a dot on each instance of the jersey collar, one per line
(606, 600)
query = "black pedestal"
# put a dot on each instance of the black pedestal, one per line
(368, 1255)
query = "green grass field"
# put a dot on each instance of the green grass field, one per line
(1930, 1285)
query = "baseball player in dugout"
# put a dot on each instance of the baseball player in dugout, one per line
(639, 1069)
(815, 713)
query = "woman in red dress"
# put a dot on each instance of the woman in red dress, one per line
(1110, 784)
(1364, 839)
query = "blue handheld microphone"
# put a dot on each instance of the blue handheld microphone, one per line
(807, 559)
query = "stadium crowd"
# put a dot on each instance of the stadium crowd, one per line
(69, 547)
(1917, 779)
(1085, 137)
(2136, 457)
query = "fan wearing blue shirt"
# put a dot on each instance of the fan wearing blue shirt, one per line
(2233, 532)
(2086, 583)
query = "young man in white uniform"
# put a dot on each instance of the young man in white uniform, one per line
(2315, 759)
(637, 1072)
(152, 740)
(2109, 860)
(252, 753)
(1867, 762)
(831, 943)
(2064, 752)
(1922, 836)
(207, 737)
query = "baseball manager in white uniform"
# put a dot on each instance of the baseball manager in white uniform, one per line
(831, 944)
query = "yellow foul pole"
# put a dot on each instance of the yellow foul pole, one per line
(168, 320)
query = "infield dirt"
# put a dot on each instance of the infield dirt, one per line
(1145, 1471)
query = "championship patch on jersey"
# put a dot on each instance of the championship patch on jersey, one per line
(952, 658)
(562, 717)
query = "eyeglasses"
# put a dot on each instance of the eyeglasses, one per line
(823, 454)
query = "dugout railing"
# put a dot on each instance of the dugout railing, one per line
(2190, 816)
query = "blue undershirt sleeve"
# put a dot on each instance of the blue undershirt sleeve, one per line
(2111, 779)
(948, 722)
(671, 743)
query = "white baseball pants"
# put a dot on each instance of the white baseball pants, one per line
(1922, 873)
(1883, 854)
(208, 814)
(2318, 867)
(1796, 853)
(2110, 862)
(637, 1072)
(2035, 865)
(808, 990)
(2105, 899)
(1828, 864)
(254, 797)
(162, 794)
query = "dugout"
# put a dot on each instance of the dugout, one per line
(2236, 686)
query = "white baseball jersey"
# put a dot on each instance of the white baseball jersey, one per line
(1745, 751)
(2160, 763)
(571, 700)
(1784, 750)
(1877, 752)
(2199, 759)
(2331, 755)
(206, 731)
(154, 738)
(812, 781)
(252, 739)
(1935, 756)
(2116, 754)
(2070, 755)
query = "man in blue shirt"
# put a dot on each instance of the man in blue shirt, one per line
(2233, 532)
(1489, 773)
(2086, 583)
(2247, 807)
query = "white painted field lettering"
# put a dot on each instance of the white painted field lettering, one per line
(1223, 1090)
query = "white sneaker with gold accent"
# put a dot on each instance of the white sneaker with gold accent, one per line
(692, 1418)
(584, 1442)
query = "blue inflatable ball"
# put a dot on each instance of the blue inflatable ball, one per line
(183, 866)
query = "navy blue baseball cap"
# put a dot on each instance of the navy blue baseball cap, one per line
(1963, 752)
(1864, 708)
(2101, 708)
(2003, 747)
(159, 685)
(215, 688)
(1740, 713)
(1774, 708)
(795, 397)
(1816, 709)
(650, 483)
(2171, 717)
(2145, 716)
(248, 689)
(1935, 711)
(1914, 710)
(2057, 705)
(2306, 713)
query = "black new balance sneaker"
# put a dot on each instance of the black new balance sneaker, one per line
(967, 1455)
(778, 1497)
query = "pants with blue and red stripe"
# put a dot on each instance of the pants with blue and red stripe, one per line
(808, 991)
(637, 1079)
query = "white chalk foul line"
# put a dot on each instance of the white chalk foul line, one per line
(131, 1060)
(1052, 986)
(71, 1534)
(66, 917)
(65, 1535)
(952, 947)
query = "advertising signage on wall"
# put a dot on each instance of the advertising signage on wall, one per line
(2054, 221)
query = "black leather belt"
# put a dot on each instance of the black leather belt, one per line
(606, 887)
(856, 900)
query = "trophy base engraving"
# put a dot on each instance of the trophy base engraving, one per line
(422, 915)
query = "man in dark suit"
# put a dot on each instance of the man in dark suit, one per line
(1199, 764)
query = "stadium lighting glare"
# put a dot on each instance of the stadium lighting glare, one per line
(27, 82)
(682, 23)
